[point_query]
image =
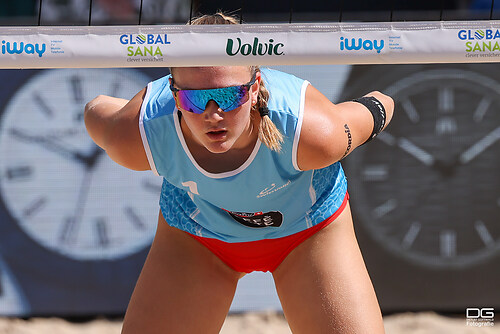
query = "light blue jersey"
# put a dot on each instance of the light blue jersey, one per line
(267, 197)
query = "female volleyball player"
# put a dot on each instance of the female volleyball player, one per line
(231, 205)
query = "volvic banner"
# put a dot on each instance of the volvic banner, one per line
(273, 44)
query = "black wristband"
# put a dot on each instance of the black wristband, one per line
(378, 112)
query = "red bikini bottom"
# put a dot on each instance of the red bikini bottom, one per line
(262, 255)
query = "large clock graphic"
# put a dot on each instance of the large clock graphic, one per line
(428, 188)
(63, 201)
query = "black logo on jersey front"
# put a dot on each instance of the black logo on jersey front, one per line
(258, 219)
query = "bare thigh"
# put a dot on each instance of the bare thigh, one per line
(324, 286)
(183, 287)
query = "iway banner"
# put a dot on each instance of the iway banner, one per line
(273, 44)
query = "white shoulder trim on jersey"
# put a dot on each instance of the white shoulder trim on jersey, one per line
(295, 146)
(145, 142)
(247, 163)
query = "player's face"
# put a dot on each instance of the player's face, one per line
(217, 130)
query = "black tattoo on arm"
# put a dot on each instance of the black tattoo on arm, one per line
(349, 140)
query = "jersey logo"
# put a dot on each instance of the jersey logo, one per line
(271, 189)
(257, 219)
(193, 188)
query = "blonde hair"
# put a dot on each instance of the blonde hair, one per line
(269, 134)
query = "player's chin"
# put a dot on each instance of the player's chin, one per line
(219, 146)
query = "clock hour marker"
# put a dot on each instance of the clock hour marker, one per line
(34, 207)
(76, 88)
(115, 88)
(411, 235)
(448, 243)
(102, 232)
(480, 146)
(154, 188)
(385, 208)
(410, 111)
(375, 173)
(386, 138)
(481, 109)
(19, 173)
(446, 125)
(65, 236)
(43, 105)
(484, 234)
(134, 218)
(445, 99)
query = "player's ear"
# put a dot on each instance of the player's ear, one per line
(254, 90)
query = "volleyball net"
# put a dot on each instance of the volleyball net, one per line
(250, 44)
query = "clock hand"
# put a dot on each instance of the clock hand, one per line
(446, 166)
(71, 228)
(415, 151)
(90, 160)
(49, 144)
(480, 146)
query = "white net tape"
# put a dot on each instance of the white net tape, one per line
(249, 44)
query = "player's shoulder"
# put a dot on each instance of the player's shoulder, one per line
(321, 125)
(124, 144)
(275, 77)
(158, 99)
(286, 91)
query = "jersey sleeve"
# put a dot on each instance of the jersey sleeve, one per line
(286, 105)
(154, 120)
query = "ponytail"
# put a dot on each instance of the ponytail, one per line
(268, 132)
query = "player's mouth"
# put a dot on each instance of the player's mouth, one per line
(217, 135)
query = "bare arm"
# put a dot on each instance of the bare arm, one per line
(332, 131)
(113, 124)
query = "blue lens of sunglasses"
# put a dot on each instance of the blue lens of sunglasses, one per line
(227, 98)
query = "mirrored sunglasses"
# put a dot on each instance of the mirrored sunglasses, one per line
(195, 100)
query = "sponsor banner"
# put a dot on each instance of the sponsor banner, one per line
(274, 44)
